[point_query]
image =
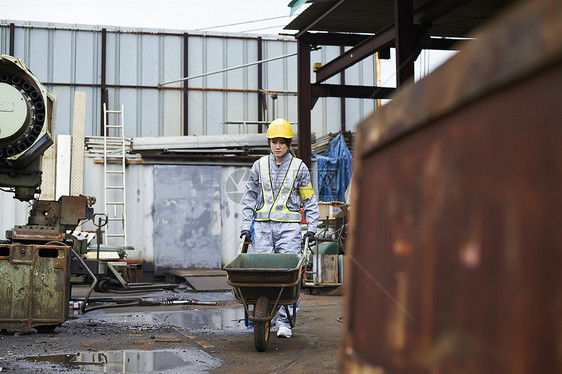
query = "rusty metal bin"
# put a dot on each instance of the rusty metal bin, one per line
(456, 247)
(34, 286)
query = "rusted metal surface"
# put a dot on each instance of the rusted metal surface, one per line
(65, 213)
(35, 287)
(74, 209)
(454, 262)
(36, 233)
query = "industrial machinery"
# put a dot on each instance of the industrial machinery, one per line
(25, 127)
(35, 258)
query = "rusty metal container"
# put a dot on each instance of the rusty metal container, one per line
(34, 286)
(456, 246)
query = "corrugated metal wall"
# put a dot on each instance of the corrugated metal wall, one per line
(68, 58)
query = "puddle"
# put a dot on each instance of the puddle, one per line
(224, 319)
(192, 319)
(164, 361)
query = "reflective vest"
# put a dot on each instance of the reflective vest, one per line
(275, 208)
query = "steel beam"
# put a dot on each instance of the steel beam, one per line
(320, 18)
(337, 39)
(383, 39)
(358, 92)
(436, 9)
(361, 51)
(443, 44)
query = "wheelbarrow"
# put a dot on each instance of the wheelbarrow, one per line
(266, 282)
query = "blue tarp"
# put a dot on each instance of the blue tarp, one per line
(334, 170)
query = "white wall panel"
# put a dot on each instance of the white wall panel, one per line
(64, 144)
(64, 44)
(85, 57)
(12, 212)
(172, 110)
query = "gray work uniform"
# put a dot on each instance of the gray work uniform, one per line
(273, 236)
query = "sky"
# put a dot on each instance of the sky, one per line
(266, 17)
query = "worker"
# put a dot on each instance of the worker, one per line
(277, 186)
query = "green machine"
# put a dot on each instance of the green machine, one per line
(35, 258)
(26, 118)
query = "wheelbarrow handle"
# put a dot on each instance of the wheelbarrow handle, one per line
(306, 244)
(243, 245)
(306, 249)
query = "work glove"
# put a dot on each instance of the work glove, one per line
(310, 236)
(248, 235)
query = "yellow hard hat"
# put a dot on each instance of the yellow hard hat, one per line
(280, 128)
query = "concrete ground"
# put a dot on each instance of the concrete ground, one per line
(176, 338)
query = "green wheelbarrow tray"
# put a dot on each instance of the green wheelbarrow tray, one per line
(274, 275)
(268, 281)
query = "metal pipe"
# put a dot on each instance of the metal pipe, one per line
(228, 69)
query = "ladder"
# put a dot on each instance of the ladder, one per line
(115, 196)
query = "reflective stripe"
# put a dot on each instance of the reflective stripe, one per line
(265, 188)
(306, 192)
(277, 210)
(262, 214)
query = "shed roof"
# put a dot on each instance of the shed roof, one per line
(372, 16)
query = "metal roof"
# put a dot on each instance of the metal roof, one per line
(372, 16)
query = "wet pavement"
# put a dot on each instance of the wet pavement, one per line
(192, 319)
(175, 338)
(129, 361)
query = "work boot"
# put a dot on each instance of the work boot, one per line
(284, 332)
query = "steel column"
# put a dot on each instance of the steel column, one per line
(342, 100)
(405, 41)
(261, 98)
(104, 93)
(12, 38)
(304, 97)
(185, 87)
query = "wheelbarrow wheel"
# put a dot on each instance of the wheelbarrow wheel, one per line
(261, 329)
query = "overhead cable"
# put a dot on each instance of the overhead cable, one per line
(240, 23)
